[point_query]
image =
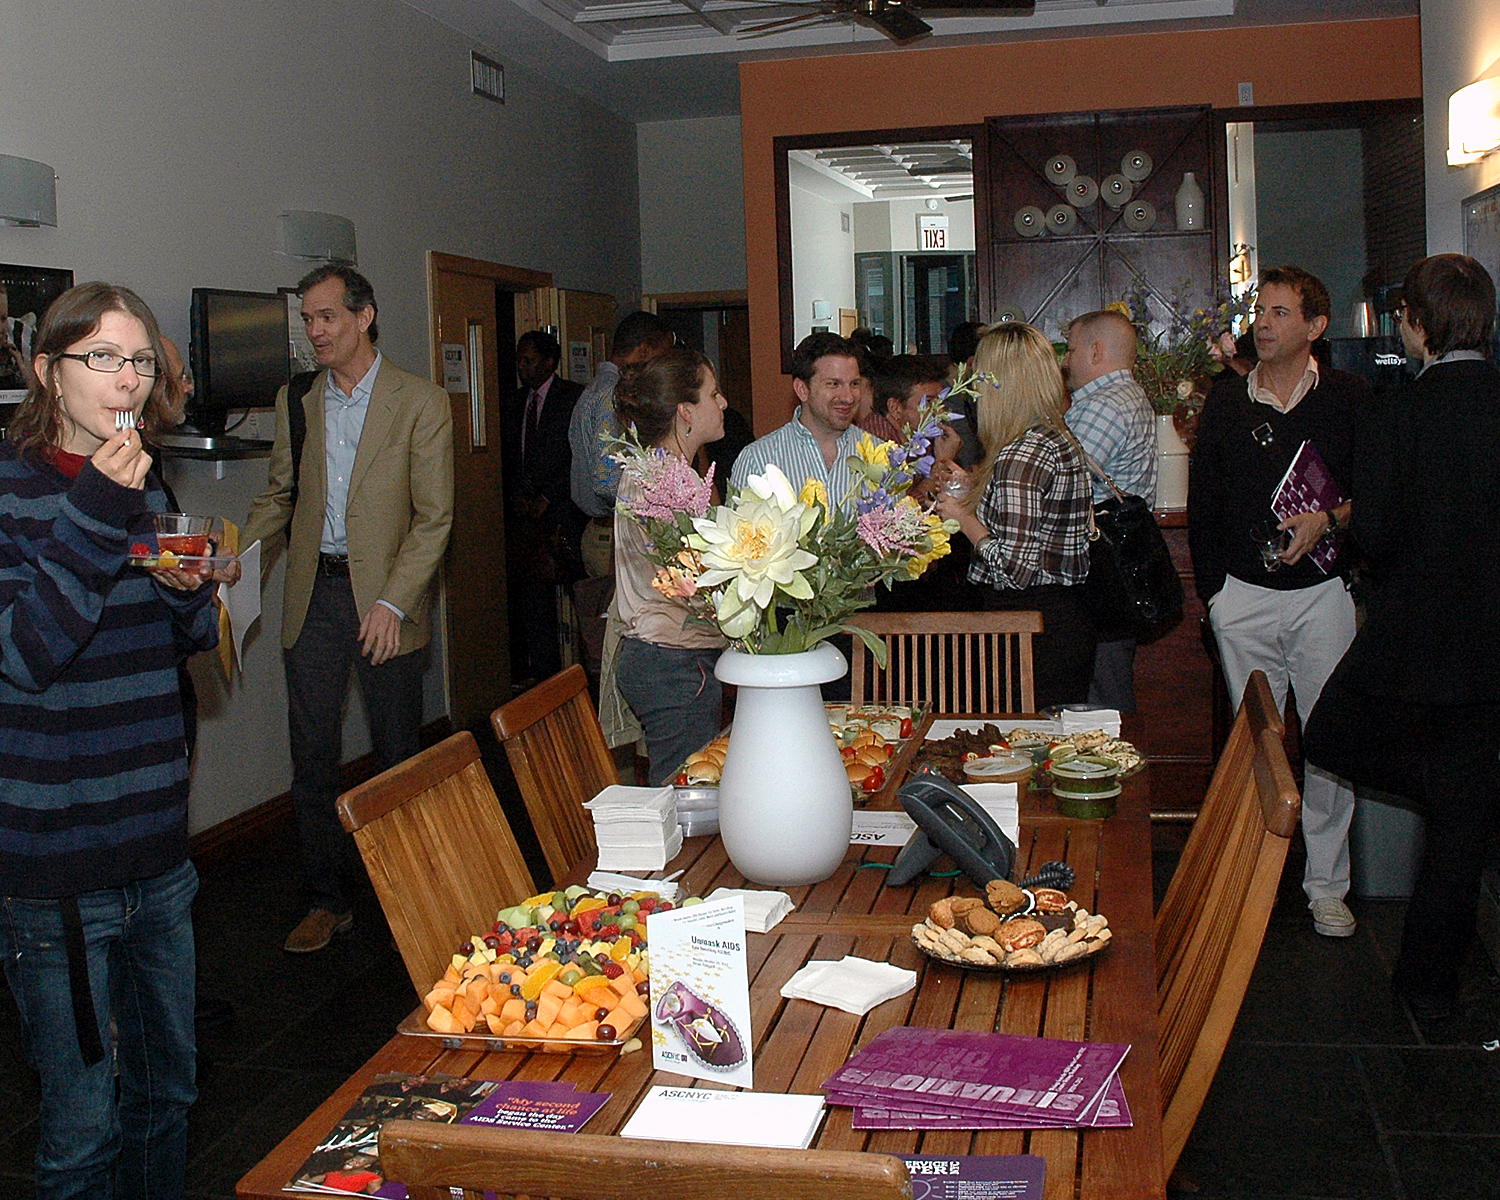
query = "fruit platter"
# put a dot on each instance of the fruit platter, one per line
(1011, 928)
(562, 971)
(182, 542)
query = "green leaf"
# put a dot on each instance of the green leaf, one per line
(872, 643)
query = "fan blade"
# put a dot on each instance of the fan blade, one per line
(896, 23)
(1019, 8)
(765, 27)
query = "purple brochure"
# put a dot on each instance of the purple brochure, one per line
(1110, 1112)
(1308, 486)
(966, 1176)
(994, 1073)
(535, 1105)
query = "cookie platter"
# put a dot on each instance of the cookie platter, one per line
(1011, 930)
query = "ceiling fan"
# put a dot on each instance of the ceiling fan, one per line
(897, 19)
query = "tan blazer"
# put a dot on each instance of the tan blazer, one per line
(400, 501)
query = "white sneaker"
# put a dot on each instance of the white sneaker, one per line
(1332, 918)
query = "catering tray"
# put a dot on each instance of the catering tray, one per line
(415, 1025)
(1001, 969)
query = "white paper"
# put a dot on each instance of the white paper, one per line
(1002, 801)
(855, 985)
(608, 881)
(698, 965)
(764, 910)
(726, 1118)
(242, 600)
(881, 828)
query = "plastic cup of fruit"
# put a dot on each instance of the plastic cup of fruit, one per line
(183, 535)
(1086, 786)
(1006, 767)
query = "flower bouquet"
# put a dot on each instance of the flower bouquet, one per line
(776, 568)
(1171, 361)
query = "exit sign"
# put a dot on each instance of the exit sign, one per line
(932, 232)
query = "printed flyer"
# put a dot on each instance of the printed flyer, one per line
(700, 992)
(976, 1177)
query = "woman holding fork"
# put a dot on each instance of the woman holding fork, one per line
(95, 880)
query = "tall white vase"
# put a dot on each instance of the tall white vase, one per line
(1189, 203)
(1171, 465)
(785, 808)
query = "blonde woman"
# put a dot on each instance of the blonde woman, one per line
(1027, 512)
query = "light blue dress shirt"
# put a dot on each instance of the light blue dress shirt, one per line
(796, 451)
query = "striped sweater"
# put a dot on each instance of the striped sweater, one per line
(93, 768)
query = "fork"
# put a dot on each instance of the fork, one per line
(124, 419)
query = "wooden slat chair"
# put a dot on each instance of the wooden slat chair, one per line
(431, 1158)
(439, 851)
(1213, 919)
(557, 752)
(961, 662)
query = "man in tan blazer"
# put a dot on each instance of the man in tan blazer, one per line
(366, 517)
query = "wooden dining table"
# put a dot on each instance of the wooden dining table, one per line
(1110, 997)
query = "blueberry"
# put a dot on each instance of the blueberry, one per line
(515, 988)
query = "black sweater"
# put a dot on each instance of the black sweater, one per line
(1233, 477)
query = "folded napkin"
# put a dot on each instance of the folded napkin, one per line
(642, 856)
(1081, 720)
(620, 803)
(763, 910)
(855, 985)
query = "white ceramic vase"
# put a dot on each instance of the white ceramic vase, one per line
(1171, 465)
(785, 808)
(1189, 203)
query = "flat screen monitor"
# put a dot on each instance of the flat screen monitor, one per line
(239, 353)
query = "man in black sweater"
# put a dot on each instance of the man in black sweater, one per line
(1284, 615)
(1414, 708)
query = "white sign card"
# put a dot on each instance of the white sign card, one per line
(456, 368)
(878, 828)
(700, 992)
(580, 362)
(932, 232)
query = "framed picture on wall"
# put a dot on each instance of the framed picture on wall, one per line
(25, 294)
(1481, 213)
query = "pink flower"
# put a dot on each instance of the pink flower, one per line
(670, 486)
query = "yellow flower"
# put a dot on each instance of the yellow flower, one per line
(937, 530)
(1118, 306)
(813, 492)
(877, 454)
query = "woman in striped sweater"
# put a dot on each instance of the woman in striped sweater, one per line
(95, 880)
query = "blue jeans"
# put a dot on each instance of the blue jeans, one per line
(676, 697)
(139, 941)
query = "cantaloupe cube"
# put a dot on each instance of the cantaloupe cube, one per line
(514, 1009)
(583, 1032)
(513, 1028)
(633, 1004)
(463, 1014)
(558, 1030)
(497, 1026)
(534, 1028)
(489, 1006)
(441, 1021)
(451, 975)
(619, 1018)
(624, 985)
(571, 1012)
(439, 995)
(640, 975)
(555, 987)
(476, 991)
(547, 1008)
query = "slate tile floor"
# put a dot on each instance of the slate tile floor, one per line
(1328, 1088)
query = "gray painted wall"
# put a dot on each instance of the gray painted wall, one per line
(692, 205)
(1460, 45)
(180, 130)
(1309, 199)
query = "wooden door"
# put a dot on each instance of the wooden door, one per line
(465, 337)
(587, 325)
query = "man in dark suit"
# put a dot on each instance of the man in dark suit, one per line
(1414, 707)
(542, 523)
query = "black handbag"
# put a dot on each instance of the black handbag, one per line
(1133, 583)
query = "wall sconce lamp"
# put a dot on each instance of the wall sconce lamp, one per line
(28, 192)
(318, 236)
(822, 310)
(1473, 122)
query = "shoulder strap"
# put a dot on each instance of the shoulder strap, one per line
(1096, 469)
(296, 416)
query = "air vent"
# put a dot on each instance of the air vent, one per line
(487, 77)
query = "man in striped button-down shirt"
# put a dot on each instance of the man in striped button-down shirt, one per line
(821, 433)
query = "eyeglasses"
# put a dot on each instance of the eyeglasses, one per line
(112, 364)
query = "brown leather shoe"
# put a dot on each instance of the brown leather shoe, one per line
(317, 930)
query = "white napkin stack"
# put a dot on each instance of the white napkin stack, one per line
(855, 985)
(1081, 720)
(763, 910)
(636, 828)
(606, 881)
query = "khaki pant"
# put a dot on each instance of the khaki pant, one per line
(598, 546)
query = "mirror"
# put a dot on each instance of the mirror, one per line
(877, 231)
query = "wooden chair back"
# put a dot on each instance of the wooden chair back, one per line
(1213, 919)
(977, 662)
(439, 851)
(431, 1158)
(557, 752)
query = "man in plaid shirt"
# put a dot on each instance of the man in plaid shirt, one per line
(1113, 421)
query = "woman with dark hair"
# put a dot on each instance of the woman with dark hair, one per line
(666, 663)
(1027, 513)
(94, 872)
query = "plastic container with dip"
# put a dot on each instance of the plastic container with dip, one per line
(1005, 767)
(1036, 749)
(1086, 786)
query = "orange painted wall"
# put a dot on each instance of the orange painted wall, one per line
(894, 89)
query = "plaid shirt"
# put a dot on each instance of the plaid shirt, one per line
(1112, 420)
(1037, 511)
